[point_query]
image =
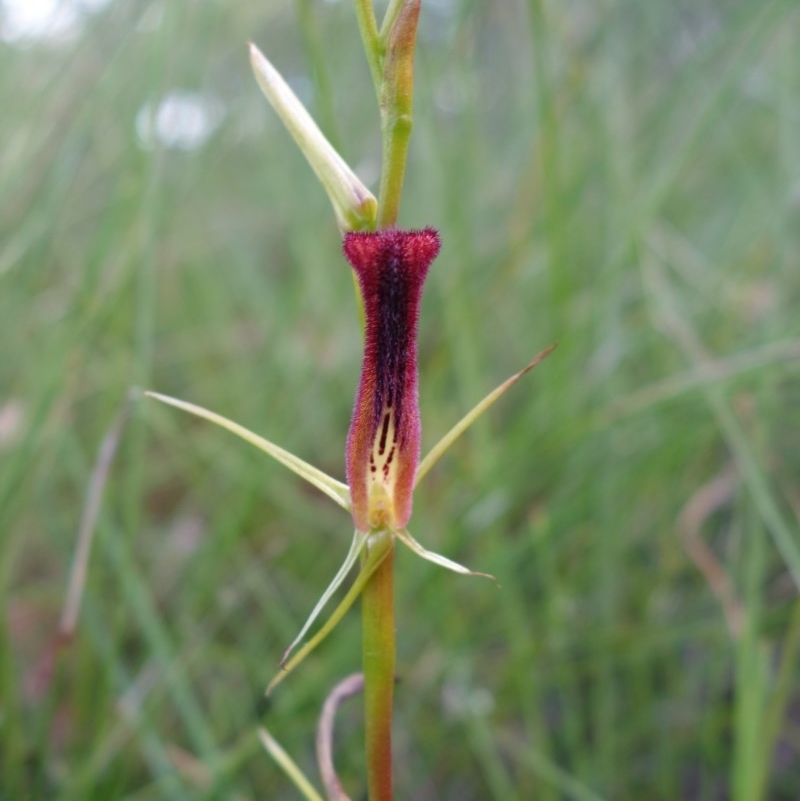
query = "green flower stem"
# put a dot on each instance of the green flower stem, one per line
(390, 55)
(396, 133)
(368, 26)
(379, 667)
(396, 101)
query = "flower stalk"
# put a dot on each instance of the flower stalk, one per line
(378, 655)
(396, 101)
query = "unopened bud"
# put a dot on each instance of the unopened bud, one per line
(355, 206)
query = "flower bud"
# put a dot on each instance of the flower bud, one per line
(355, 206)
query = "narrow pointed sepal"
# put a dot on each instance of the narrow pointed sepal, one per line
(322, 481)
(383, 442)
(442, 446)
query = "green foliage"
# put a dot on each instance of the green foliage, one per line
(622, 177)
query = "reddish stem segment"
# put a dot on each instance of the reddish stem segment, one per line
(379, 668)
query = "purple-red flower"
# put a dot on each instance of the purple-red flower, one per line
(383, 443)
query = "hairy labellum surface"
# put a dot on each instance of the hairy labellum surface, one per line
(384, 439)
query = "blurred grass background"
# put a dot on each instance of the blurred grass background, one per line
(623, 177)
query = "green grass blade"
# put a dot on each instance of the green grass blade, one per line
(288, 765)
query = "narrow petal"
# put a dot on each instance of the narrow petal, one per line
(370, 564)
(405, 537)
(356, 546)
(383, 442)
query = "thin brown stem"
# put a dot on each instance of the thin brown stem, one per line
(342, 691)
